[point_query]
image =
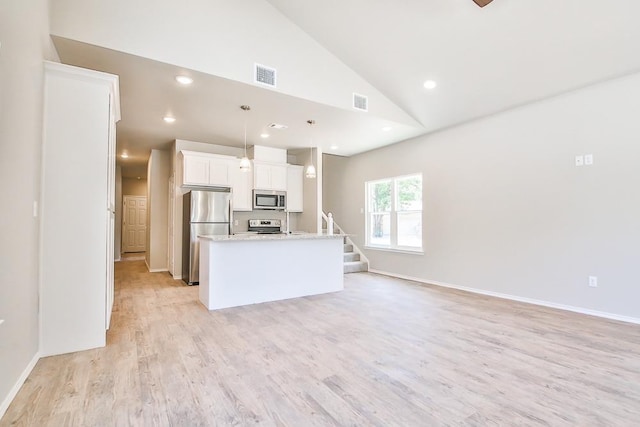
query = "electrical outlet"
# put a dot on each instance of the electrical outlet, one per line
(235, 222)
(579, 160)
(593, 281)
(588, 159)
(1, 321)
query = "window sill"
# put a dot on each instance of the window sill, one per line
(401, 251)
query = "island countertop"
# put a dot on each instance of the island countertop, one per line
(259, 237)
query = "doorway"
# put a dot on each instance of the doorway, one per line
(134, 224)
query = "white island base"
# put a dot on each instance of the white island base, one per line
(248, 269)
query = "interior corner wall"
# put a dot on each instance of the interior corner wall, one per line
(159, 169)
(134, 187)
(312, 191)
(334, 168)
(507, 211)
(25, 43)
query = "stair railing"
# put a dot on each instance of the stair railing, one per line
(339, 231)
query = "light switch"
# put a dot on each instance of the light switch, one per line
(579, 160)
(361, 210)
(588, 159)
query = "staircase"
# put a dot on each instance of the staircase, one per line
(354, 260)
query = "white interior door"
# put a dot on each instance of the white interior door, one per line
(134, 224)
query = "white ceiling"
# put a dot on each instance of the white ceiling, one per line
(484, 60)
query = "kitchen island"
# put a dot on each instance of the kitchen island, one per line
(247, 269)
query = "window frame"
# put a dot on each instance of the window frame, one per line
(393, 212)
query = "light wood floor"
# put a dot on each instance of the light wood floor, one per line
(383, 352)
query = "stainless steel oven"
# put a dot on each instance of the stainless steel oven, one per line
(269, 199)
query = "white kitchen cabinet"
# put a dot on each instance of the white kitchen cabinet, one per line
(269, 176)
(203, 169)
(242, 185)
(294, 188)
(196, 170)
(77, 208)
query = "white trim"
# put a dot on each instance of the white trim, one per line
(177, 276)
(401, 251)
(542, 303)
(16, 388)
(112, 80)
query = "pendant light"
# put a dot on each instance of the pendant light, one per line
(311, 169)
(245, 163)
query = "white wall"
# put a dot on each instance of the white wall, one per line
(134, 187)
(159, 168)
(506, 210)
(312, 190)
(24, 44)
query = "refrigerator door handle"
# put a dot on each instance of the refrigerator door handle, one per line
(231, 214)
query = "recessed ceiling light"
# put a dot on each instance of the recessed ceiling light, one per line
(334, 147)
(430, 84)
(169, 119)
(387, 128)
(264, 135)
(184, 80)
(124, 155)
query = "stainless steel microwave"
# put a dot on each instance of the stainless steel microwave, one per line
(269, 199)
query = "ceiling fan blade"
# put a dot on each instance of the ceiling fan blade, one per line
(482, 3)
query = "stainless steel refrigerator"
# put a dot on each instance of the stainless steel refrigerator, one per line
(205, 212)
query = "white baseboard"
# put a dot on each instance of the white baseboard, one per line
(157, 270)
(574, 309)
(16, 388)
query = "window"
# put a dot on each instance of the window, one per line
(394, 213)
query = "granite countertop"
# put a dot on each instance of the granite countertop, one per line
(256, 237)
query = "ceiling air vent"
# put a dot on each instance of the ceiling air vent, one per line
(360, 102)
(265, 75)
(277, 126)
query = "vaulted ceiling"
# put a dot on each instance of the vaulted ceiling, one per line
(484, 60)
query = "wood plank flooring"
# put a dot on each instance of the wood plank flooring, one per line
(383, 352)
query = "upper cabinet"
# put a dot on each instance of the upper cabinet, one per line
(242, 184)
(269, 176)
(294, 188)
(202, 169)
(214, 170)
